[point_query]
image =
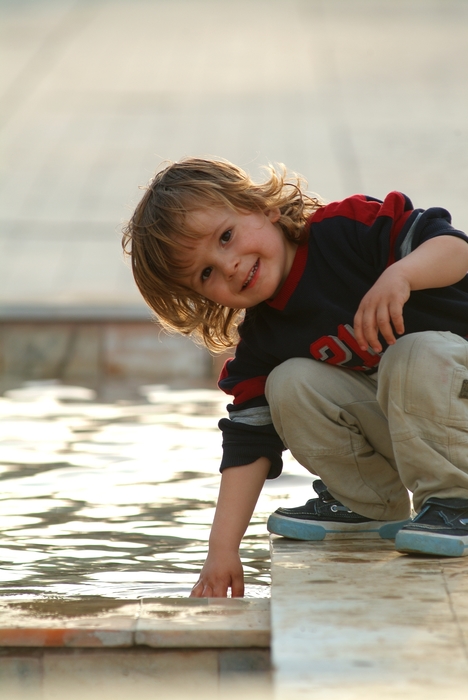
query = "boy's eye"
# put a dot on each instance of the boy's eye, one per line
(206, 273)
(226, 236)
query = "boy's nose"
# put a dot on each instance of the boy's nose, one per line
(230, 266)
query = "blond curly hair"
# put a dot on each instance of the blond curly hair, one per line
(153, 237)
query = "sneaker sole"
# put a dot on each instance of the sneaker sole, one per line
(427, 543)
(296, 529)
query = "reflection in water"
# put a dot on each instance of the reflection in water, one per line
(117, 500)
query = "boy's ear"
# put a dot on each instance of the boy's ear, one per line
(273, 214)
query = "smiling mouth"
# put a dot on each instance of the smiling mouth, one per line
(251, 274)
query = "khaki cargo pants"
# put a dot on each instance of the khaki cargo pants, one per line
(372, 439)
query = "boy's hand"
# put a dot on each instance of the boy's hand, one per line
(238, 494)
(438, 262)
(381, 310)
(219, 574)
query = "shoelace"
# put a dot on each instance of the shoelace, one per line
(335, 505)
(433, 509)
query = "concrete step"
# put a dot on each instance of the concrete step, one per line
(105, 648)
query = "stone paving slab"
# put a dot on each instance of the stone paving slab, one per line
(355, 620)
(159, 623)
(204, 622)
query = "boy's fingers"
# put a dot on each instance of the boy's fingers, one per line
(386, 321)
(358, 333)
(366, 327)
(237, 589)
(396, 313)
(197, 590)
(219, 590)
(379, 313)
(369, 332)
(202, 590)
(385, 328)
(393, 323)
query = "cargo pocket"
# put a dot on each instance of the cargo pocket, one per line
(436, 385)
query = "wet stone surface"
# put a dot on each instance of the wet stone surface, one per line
(116, 499)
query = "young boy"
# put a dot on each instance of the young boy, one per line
(353, 352)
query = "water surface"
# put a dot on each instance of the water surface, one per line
(117, 499)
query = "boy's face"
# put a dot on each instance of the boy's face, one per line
(240, 258)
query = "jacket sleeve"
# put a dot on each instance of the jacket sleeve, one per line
(248, 433)
(424, 225)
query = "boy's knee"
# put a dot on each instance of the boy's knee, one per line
(283, 381)
(420, 352)
(399, 354)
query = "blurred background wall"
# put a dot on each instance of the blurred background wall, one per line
(357, 95)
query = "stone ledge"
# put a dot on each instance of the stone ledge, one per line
(93, 352)
(160, 623)
(70, 313)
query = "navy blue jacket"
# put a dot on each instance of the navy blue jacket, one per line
(350, 244)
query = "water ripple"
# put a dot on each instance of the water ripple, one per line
(117, 500)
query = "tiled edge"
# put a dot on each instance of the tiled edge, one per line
(92, 622)
(158, 623)
(217, 623)
(201, 639)
(58, 637)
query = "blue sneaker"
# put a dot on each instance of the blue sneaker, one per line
(326, 517)
(441, 528)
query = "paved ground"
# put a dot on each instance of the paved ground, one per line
(355, 620)
(358, 95)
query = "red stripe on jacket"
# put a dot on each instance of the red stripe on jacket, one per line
(249, 389)
(365, 211)
(246, 390)
(358, 208)
(295, 274)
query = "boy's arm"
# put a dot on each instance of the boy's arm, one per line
(438, 262)
(238, 494)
